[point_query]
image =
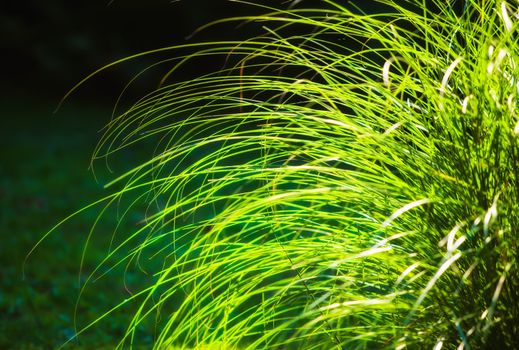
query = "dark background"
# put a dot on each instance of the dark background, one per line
(49, 46)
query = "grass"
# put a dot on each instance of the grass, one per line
(349, 180)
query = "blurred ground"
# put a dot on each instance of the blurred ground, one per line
(44, 177)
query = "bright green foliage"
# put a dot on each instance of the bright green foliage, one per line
(351, 186)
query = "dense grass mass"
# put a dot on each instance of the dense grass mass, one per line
(349, 180)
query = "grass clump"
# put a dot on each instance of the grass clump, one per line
(349, 180)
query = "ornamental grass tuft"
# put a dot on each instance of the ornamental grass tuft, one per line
(349, 180)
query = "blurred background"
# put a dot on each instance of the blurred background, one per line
(47, 47)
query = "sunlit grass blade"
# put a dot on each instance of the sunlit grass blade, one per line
(348, 180)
